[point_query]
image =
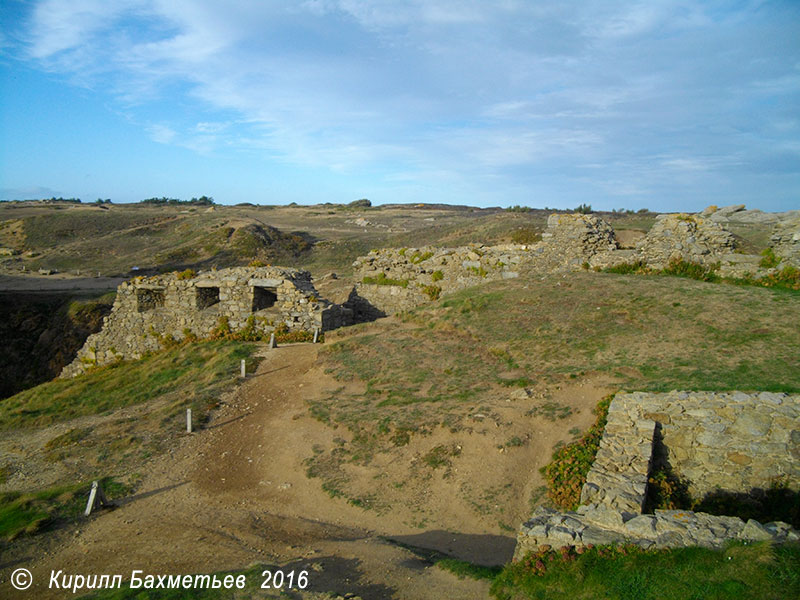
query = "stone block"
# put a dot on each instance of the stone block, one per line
(755, 531)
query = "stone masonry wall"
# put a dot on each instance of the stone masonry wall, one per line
(785, 241)
(720, 441)
(169, 306)
(729, 441)
(689, 237)
(569, 241)
(441, 270)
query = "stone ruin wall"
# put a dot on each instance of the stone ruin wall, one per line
(730, 442)
(167, 305)
(448, 269)
(727, 441)
(785, 241)
(570, 242)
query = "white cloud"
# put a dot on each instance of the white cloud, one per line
(436, 85)
(161, 134)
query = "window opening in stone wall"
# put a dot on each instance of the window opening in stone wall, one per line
(207, 296)
(264, 297)
(149, 299)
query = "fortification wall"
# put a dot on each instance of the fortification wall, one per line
(687, 237)
(731, 442)
(724, 441)
(168, 305)
(423, 273)
(785, 241)
(396, 279)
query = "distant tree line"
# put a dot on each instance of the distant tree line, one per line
(201, 201)
(59, 199)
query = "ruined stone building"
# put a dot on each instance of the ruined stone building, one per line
(178, 305)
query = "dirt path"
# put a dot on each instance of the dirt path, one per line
(236, 494)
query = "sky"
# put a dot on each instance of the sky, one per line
(670, 105)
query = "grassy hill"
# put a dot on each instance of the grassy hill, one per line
(472, 353)
(106, 423)
(111, 239)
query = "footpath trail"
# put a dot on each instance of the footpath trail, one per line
(235, 494)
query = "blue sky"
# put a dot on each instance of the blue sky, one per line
(666, 104)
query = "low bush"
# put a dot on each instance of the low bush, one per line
(417, 258)
(769, 259)
(567, 471)
(691, 270)
(431, 291)
(187, 274)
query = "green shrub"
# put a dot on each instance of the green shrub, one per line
(479, 271)
(381, 279)
(566, 473)
(286, 336)
(638, 267)
(187, 274)
(417, 258)
(431, 291)
(683, 268)
(222, 330)
(769, 259)
(437, 276)
(584, 209)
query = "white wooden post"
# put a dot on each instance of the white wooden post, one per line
(92, 496)
(316, 334)
(244, 372)
(188, 420)
(272, 343)
(97, 499)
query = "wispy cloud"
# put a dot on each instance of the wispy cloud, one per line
(441, 85)
(161, 133)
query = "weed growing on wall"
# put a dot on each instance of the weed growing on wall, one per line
(566, 473)
(769, 259)
(786, 278)
(431, 291)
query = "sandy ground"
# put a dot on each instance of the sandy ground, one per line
(236, 494)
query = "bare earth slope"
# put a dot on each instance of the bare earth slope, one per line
(236, 493)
